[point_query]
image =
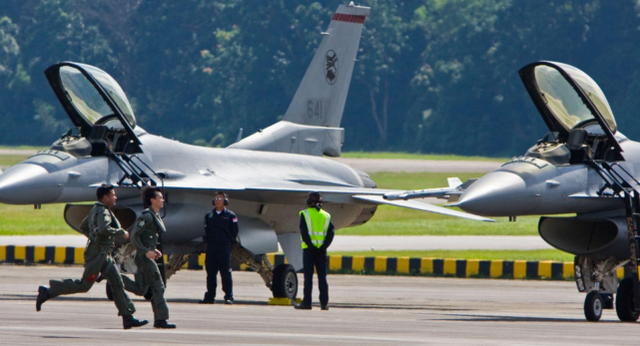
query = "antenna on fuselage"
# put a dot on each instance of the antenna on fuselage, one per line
(239, 135)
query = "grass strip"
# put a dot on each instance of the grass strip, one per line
(25, 220)
(417, 156)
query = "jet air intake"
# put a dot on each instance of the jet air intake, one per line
(593, 238)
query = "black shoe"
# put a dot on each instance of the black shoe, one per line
(43, 296)
(130, 321)
(302, 307)
(163, 324)
(208, 299)
(228, 301)
(324, 307)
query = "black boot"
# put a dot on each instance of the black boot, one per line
(130, 321)
(208, 298)
(301, 306)
(163, 324)
(43, 296)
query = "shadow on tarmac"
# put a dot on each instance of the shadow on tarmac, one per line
(477, 318)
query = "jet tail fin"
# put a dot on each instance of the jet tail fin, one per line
(321, 96)
(311, 124)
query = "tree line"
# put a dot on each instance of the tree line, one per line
(433, 76)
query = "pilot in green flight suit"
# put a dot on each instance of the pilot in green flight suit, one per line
(144, 238)
(101, 227)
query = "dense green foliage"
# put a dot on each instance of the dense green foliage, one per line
(433, 76)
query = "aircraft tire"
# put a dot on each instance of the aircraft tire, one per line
(109, 292)
(593, 306)
(625, 307)
(285, 282)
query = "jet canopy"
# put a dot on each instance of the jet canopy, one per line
(96, 104)
(568, 99)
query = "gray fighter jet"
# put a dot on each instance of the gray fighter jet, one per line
(266, 175)
(583, 166)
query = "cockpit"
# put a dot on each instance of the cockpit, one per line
(573, 106)
(99, 109)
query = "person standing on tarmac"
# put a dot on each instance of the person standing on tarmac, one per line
(316, 231)
(144, 238)
(101, 227)
(221, 232)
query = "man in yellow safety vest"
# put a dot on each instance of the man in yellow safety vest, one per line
(316, 231)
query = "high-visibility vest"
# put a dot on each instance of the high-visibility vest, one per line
(317, 224)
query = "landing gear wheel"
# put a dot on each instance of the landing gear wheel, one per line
(593, 306)
(625, 307)
(109, 292)
(285, 282)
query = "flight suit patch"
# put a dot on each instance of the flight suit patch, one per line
(141, 223)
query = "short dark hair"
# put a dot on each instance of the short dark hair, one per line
(103, 190)
(149, 192)
(314, 199)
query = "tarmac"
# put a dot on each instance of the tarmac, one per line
(364, 310)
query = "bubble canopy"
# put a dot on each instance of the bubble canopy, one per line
(567, 98)
(91, 97)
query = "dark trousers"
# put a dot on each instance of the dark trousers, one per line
(97, 261)
(148, 277)
(317, 260)
(218, 258)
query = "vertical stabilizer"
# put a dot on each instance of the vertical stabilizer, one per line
(321, 96)
(311, 125)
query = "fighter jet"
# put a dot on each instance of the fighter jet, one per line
(267, 175)
(583, 166)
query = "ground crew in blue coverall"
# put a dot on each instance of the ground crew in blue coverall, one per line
(144, 238)
(221, 232)
(101, 227)
(316, 231)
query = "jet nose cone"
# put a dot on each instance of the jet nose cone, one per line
(499, 194)
(27, 183)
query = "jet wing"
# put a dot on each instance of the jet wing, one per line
(421, 206)
(264, 191)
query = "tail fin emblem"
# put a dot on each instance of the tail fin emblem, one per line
(331, 67)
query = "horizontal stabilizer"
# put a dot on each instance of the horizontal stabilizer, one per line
(421, 206)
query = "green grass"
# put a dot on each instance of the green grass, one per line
(10, 160)
(390, 220)
(417, 180)
(22, 147)
(25, 220)
(507, 255)
(417, 156)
